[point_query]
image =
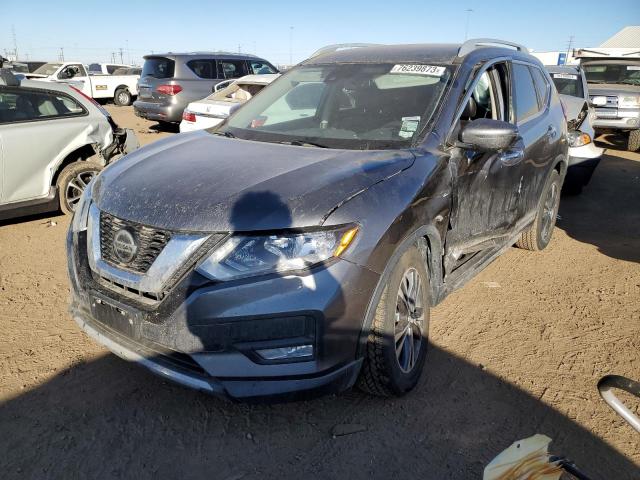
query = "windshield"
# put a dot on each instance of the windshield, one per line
(353, 106)
(568, 84)
(613, 73)
(48, 68)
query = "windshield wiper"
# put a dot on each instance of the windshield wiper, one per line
(299, 143)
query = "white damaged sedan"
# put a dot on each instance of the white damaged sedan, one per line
(215, 108)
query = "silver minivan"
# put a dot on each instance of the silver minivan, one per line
(169, 82)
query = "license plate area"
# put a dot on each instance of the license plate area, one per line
(114, 315)
(606, 112)
(145, 92)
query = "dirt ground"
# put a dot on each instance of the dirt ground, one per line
(517, 351)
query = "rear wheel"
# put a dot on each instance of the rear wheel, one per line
(397, 343)
(122, 97)
(538, 235)
(633, 143)
(72, 181)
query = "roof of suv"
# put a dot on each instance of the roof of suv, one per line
(202, 54)
(419, 52)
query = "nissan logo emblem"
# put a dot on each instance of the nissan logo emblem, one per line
(124, 246)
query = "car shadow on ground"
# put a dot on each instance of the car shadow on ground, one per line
(607, 213)
(44, 218)
(165, 127)
(108, 418)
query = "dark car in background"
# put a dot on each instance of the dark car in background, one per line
(169, 82)
(298, 248)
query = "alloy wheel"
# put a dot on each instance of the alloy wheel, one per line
(409, 320)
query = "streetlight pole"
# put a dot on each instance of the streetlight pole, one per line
(466, 27)
(290, 46)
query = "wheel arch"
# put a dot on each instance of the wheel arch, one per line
(430, 243)
(82, 153)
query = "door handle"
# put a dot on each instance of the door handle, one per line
(511, 157)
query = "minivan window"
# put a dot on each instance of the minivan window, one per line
(258, 67)
(233, 68)
(203, 68)
(355, 106)
(525, 92)
(158, 67)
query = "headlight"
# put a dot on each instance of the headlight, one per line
(244, 256)
(81, 214)
(578, 139)
(629, 102)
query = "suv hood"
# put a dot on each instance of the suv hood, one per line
(205, 182)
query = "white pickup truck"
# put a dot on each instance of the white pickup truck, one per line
(121, 88)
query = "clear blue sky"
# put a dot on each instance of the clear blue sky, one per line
(90, 31)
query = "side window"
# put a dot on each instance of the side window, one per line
(489, 97)
(542, 87)
(203, 68)
(24, 105)
(233, 68)
(111, 69)
(259, 67)
(526, 98)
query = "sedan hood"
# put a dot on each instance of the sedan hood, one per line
(205, 182)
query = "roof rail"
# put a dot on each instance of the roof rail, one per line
(475, 43)
(341, 46)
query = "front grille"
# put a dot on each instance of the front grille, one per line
(150, 242)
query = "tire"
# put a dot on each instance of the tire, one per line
(122, 97)
(72, 181)
(633, 143)
(538, 235)
(385, 372)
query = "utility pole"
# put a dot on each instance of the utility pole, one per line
(61, 54)
(121, 59)
(466, 27)
(290, 46)
(15, 42)
(239, 48)
(569, 48)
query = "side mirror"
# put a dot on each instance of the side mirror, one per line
(487, 135)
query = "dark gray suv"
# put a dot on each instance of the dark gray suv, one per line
(298, 248)
(170, 81)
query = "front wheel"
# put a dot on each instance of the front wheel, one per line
(397, 343)
(122, 97)
(72, 181)
(538, 235)
(633, 143)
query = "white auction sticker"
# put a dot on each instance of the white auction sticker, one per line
(417, 69)
(566, 76)
(633, 67)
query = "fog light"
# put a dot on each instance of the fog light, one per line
(633, 122)
(283, 353)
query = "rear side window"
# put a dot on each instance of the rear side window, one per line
(233, 68)
(203, 68)
(258, 67)
(525, 93)
(111, 69)
(158, 67)
(542, 86)
(23, 105)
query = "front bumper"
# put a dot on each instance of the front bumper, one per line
(205, 335)
(624, 119)
(158, 112)
(581, 154)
